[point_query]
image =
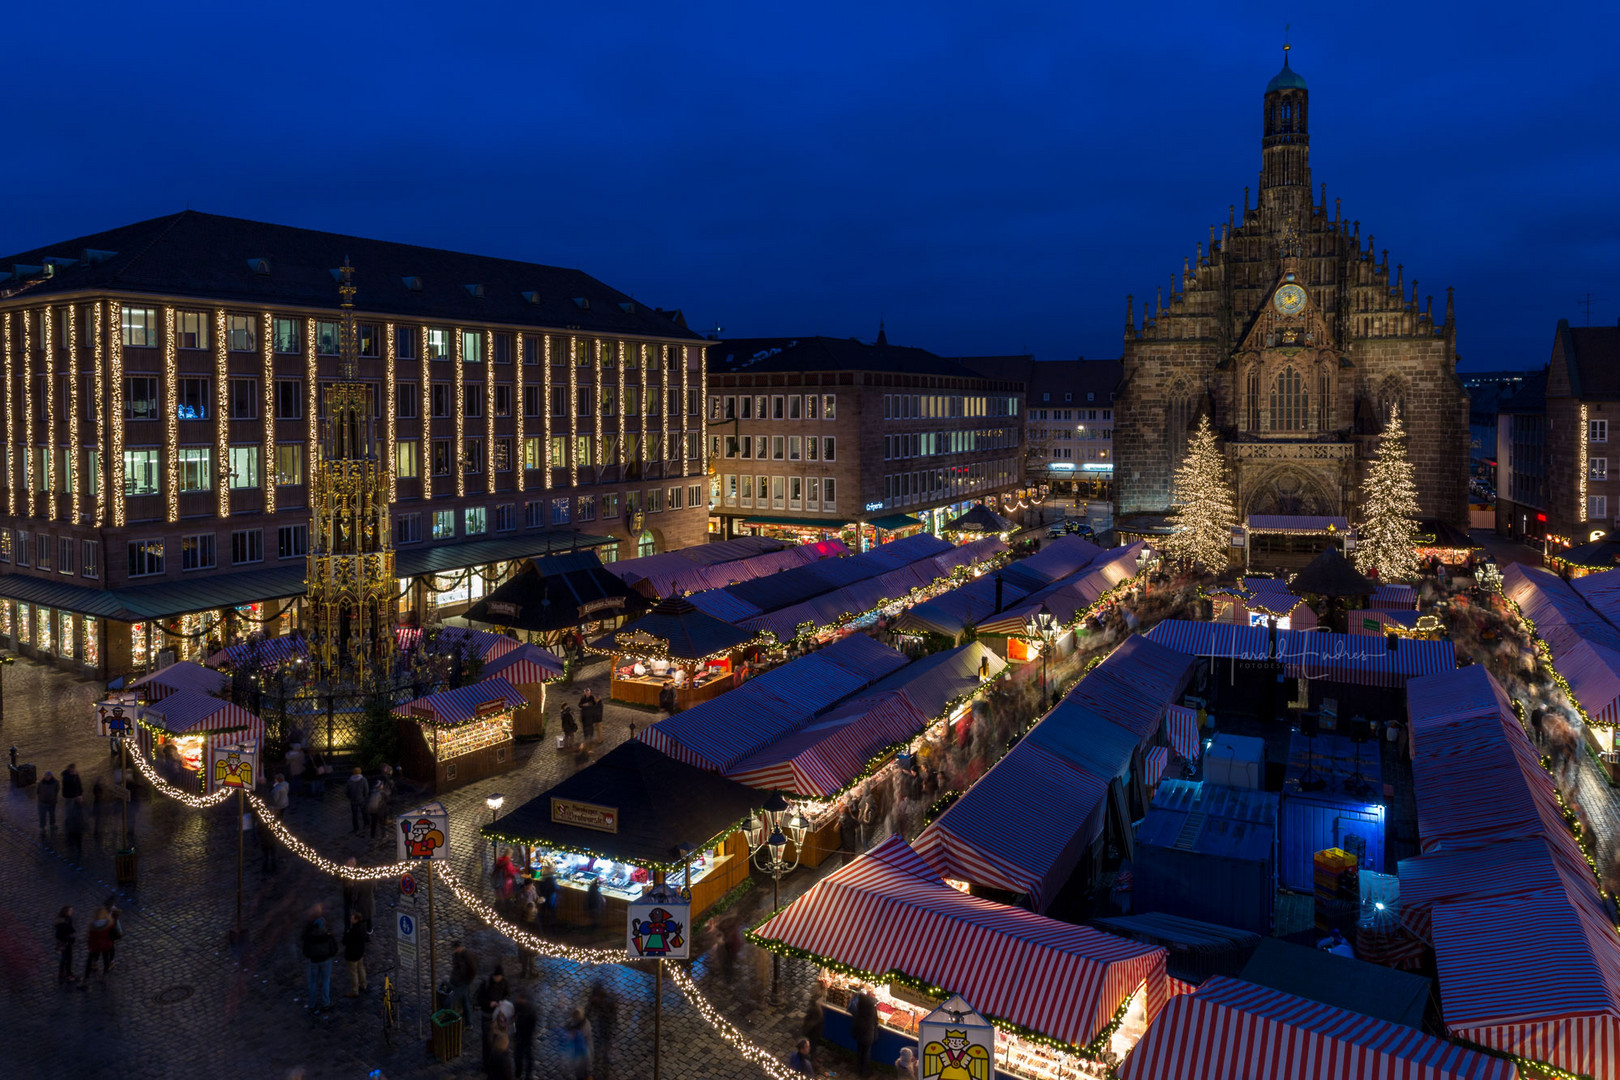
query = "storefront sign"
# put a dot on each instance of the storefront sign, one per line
(607, 603)
(422, 834)
(659, 930)
(233, 766)
(501, 607)
(115, 719)
(954, 1041)
(873, 506)
(585, 815)
(490, 708)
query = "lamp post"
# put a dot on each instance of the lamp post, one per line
(1042, 625)
(764, 836)
(494, 802)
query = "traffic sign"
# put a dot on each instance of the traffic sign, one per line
(407, 928)
(407, 885)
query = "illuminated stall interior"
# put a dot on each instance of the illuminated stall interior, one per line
(675, 644)
(177, 730)
(454, 737)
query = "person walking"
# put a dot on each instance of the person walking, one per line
(297, 763)
(65, 937)
(355, 939)
(815, 1014)
(569, 726)
(525, 1022)
(576, 1048)
(319, 949)
(492, 994)
(72, 784)
(463, 970)
(358, 792)
(98, 806)
(602, 1010)
(315, 772)
(99, 937)
(863, 1020)
(74, 826)
(46, 792)
(376, 803)
(280, 795)
(359, 897)
(801, 1061)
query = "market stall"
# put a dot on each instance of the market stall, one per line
(1059, 994)
(181, 675)
(551, 599)
(260, 653)
(528, 668)
(621, 822)
(177, 731)
(695, 655)
(717, 565)
(454, 737)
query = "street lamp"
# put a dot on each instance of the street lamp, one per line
(1042, 626)
(494, 802)
(764, 836)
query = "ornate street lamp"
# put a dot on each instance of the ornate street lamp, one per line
(494, 802)
(764, 835)
(1042, 626)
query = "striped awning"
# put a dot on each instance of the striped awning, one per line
(1135, 685)
(263, 653)
(1294, 524)
(1360, 659)
(462, 705)
(1229, 1028)
(1561, 617)
(192, 712)
(1181, 732)
(181, 675)
(1593, 673)
(1393, 598)
(1153, 765)
(889, 913)
(488, 646)
(831, 752)
(1069, 596)
(525, 664)
(1225, 641)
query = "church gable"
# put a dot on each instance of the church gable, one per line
(1289, 319)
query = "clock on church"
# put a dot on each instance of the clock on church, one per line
(1290, 299)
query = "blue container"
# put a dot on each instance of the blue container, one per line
(1330, 816)
(1209, 853)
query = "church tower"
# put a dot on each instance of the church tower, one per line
(351, 587)
(1296, 337)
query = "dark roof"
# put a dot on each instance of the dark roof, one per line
(1529, 397)
(1604, 553)
(1286, 79)
(549, 594)
(690, 634)
(1369, 989)
(1076, 377)
(209, 256)
(662, 804)
(1016, 366)
(1592, 358)
(980, 518)
(1329, 575)
(774, 355)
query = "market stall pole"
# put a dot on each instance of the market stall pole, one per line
(1043, 626)
(774, 849)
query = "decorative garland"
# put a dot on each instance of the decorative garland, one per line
(492, 832)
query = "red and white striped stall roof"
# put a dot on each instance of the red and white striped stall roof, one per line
(1153, 765)
(1359, 659)
(1227, 641)
(1593, 673)
(1561, 616)
(263, 653)
(181, 675)
(1181, 732)
(489, 646)
(192, 712)
(828, 754)
(1229, 1029)
(889, 913)
(525, 664)
(1393, 598)
(461, 705)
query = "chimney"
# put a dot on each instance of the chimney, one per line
(998, 594)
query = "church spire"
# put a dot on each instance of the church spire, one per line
(883, 337)
(348, 347)
(1285, 169)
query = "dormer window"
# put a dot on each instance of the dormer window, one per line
(532, 297)
(259, 266)
(412, 283)
(476, 291)
(582, 303)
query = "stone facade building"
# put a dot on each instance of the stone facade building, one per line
(1582, 486)
(1296, 337)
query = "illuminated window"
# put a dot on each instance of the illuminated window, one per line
(1290, 402)
(438, 343)
(327, 337)
(645, 544)
(444, 524)
(243, 332)
(140, 326)
(472, 346)
(192, 400)
(145, 558)
(289, 464)
(141, 472)
(191, 329)
(585, 508)
(473, 521)
(244, 467)
(407, 459)
(286, 336)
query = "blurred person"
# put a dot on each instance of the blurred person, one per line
(99, 941)
(602, 1010)
(319, 948)
(66, 935)
(46, 792)
(355, 939)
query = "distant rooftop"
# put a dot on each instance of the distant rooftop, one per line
(791, 354)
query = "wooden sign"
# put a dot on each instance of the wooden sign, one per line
(585, 815)
(501, 607)
(606, 603)
(490, 708)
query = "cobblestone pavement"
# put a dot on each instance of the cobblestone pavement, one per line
(181, 1001)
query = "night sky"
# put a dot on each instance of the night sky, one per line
(986, 177)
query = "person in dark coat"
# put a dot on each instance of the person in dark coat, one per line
(815, 1015)
(355, 939)
(863, 1023)
(75, 826)
(569, 725)
(98, 806)
(66, 935)
(46, 792)
(463, 970)
(602, 1009)
(525, 1022)
(72, 785)
(358, 792)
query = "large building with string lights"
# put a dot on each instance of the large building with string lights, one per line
(165, 385)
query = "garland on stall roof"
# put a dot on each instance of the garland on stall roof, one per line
(939, 806)
(1525, 1064)
(493, 832)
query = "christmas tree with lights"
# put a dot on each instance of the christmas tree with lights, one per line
(1387, 539)
(1203, 508)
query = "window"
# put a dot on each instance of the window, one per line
(533, 452)
(141, 397)
(828, 502)
(503, 400)
(827, 449)
(472, 456)
(1290, 402)
(405, 342)
(244, 335)
(585, 508)
(244, 467)
(533, 348)
(145, 558)
(645, 544)
(192, 403)
(473, 521)
(531, 400)
(42, 553)
(292, 541)
(327, 337)
(1597, 507)
(534, 514)
(812, 406)
(505, 513)
(247, 546)
(776, 447)
(829, 403)
(90, 558)
(1597, 431)
(812, 493)
(793, 446)
(140, 327)
(289, 399)
(141, 472)
(408, 529)
(441, 399)
(561, 510)
(407, 459)
(191, 329)
(444, 524)
(795, 492)
(438, 343)
(731, 446)
(441, 457)
(289, 463)
(285, 333)
(778, 492)
(244, 399)
(472, 346)
(812, 448)
(406, 396)
(610, 506)
(503, 348)
(23, 554)
(1597, 468)
(655, 501)
(503, 455)
(65, 562)
(795, 407)
(197, 552)
(474, 399)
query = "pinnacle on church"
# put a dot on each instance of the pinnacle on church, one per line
(882, 338)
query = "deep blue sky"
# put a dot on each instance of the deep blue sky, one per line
(988, 177)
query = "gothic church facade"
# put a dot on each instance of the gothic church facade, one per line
(1297, 340)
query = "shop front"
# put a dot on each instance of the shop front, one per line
(625, 822)
(455, 737)
(175, 733)
(674, 649)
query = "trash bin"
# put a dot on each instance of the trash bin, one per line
(124, 866)
(24, 775)
(446, 1034)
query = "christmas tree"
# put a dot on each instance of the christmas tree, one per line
(1203, 508)
(1387, 538)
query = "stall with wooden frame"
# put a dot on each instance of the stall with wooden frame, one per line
(454, 737)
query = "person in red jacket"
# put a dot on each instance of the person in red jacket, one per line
(100, 937)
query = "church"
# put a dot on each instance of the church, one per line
(1296, 338)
